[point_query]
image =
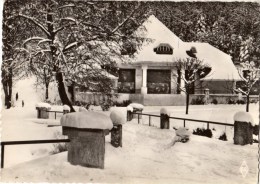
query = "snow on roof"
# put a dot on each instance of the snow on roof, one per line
(90, 120)
(157, 33)
(244, 117)
(221, 63)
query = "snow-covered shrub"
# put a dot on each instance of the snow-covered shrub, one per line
(118, 116)
(137, 106)
(200, 100)
(214, 101)
(43, 105)
(82, 109)
(223, 137)
(241, 102)
(125, 103)
(203, 132)
(66, 108)
(59, 147)
(89, 120)
(231, 101)
(183, 133)
(165, 111)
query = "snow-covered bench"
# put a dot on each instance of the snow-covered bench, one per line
(86, 131)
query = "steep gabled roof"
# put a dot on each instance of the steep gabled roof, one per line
(157, 33)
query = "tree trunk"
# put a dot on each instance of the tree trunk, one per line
(62, 91)
(247, 103)
(8, 88)
(46, 91)
(187, 102)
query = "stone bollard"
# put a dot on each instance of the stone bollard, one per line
(129, 113)
(86, 131)
(66, 109)
(137, 108)
(165, 120)
(118, 119)
(42, 110)
(243, 129)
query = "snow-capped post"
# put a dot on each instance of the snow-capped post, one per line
(118, 119)
(42, 110)
(164, 120)
(206, 95)
(137, 108)
(86, 131)
(129, 113)
(66, 109)
(243, 128)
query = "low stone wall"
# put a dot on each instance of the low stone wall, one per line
(223, 98)
(160, 99)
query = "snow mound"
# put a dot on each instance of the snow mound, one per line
(244, 117)
(129, 108)
(182, 132)
(42, 104)
(137, 106)
(66, 108)
(82, 109)
(90, 120)
(164, 111)
(118, 117)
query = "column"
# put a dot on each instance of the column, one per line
(144, 87)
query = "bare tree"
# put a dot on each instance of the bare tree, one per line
(249, 74)
(78, 38)
(189, 72)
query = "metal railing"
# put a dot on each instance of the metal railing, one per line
(184, 120)
(6, 143)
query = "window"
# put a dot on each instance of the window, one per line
(126, 81)
(163, 48)
(158, 81)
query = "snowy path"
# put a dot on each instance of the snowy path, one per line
(147, 157)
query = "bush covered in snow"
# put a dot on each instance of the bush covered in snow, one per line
(203, 132)
(42, 105)
(82, 109)
(118, 116)
(223, 137)
(183, 133)
(124, 103)
(89, 120)
(214, 101)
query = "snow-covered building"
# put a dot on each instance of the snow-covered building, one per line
(149, 77)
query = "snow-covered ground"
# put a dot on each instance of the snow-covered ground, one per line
(147, 155)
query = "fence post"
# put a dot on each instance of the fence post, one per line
(165, 120)
(149, 120)
(2, 155)
(184, 122)
(207, 125)
(138, 119)
(55, 115)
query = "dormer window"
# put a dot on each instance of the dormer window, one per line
(163, 48)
